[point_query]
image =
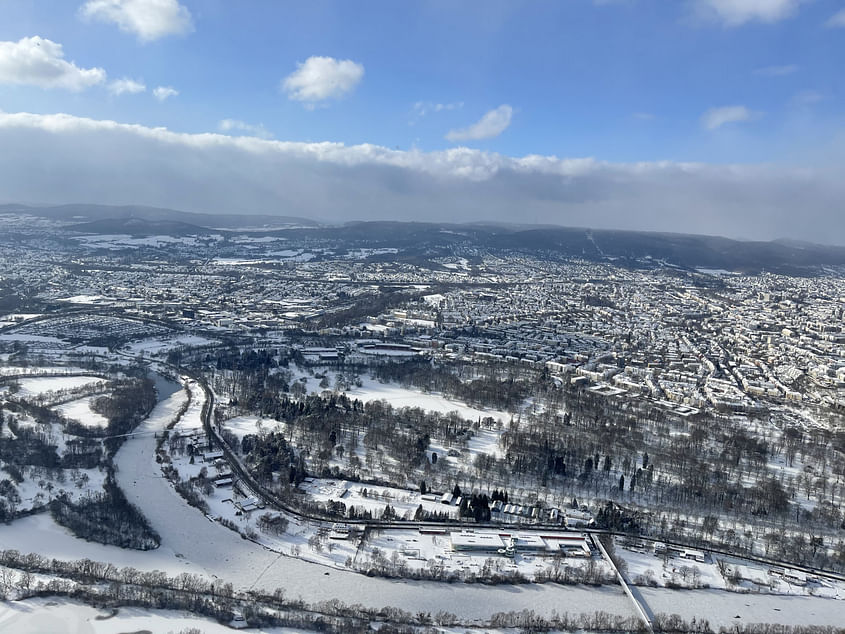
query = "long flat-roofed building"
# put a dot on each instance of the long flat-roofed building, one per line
(528, 541)
(476, 542)
(489, 541)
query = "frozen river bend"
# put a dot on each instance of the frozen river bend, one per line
(189, 538)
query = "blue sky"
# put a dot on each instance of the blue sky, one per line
(622, 82)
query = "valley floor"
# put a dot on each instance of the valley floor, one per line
(192, 543)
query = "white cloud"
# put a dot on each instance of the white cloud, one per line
(147, 19)
(807, 98)
(490, 125)
(332, 181)
(717, 117)
(837, 20)
(321, 78)
(777, 71)
(37, 61)
(235, 125)
(738, 12)
(424, 108)
(164, 92)
(126, 85)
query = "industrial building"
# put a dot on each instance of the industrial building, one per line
(472, 541)
(489, 541)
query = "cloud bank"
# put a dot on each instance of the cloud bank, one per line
(211, 172)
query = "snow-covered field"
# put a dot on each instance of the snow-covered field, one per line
(121, 240)
(482, 441)
(645, 567)
(80, 411)
(30, 387)
(40, 534)
(244, 425)
(43, 615)
(160, 345)
(36, 491)
(192, 418)
(40, 485)
(272, 256)
(757, 597)
(729, 608)
(13, 370)
(372, 497)
(398, 396)
(30, 338)
(83, 299)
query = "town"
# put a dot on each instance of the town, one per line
(474, 415)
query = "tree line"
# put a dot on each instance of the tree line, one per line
(106, 517)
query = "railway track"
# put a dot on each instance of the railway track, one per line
(273, 500)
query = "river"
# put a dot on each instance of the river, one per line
(222, 553)
(192, 543)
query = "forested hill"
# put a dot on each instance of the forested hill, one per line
(427, 239)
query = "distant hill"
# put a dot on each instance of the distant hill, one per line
(137, 227)
(688, 251)
(424, 240)
(90, 213)
(626, 248)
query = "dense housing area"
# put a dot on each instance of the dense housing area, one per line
(368, 410)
